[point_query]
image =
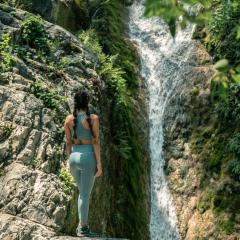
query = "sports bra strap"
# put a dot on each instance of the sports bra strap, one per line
(82, 133)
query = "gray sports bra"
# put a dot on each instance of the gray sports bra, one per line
(81, 132)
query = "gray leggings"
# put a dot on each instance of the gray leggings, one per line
(82, 164)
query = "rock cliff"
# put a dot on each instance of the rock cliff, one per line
(188, 112)
(37, 198)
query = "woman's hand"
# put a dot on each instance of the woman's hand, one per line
(98, 169)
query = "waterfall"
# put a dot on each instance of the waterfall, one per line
(164, 61)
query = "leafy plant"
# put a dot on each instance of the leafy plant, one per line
(106, 17)
(229, 111)
(205, 201)
(34, 34)
(222, 31)
(234, 144)
(225, 90)
(171, 11)
(90, 39)
(50, 97)
(67, 180)
(5, 53)
(227, 225)
(21, 51)
(234, 168)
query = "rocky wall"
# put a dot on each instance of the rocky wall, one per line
(35, 96)
(188, 110)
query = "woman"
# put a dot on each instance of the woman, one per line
(83, 154)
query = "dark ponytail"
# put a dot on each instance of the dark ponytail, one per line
(75, 121)
(89, 121)
(81, 100)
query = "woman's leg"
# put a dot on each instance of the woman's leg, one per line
(87, 182)
(82, 167)
(75, 169)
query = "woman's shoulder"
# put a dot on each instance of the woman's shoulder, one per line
(94, 116)
(69, 118)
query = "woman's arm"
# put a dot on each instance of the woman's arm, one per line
(96, 140)
(68, 137)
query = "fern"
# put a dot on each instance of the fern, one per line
(5, 53)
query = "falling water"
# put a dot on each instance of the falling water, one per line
(164, 61)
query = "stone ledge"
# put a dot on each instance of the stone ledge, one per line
(75, 238)
(17, 228)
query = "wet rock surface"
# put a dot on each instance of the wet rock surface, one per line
(183, 168)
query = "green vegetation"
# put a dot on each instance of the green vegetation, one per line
(217, 142)
(216, 145)
(171, 11)
(106, 17)
(53, 100)
(50, 97)
(34, 34)
(34, 43)
(205, 200)
(67, 180)
(219, 150)
(223, 42)
(222, 31)
(227, 225)
(5, 53)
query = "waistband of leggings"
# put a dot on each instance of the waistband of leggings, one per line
(83, 147)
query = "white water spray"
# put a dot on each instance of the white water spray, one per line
(163, 64)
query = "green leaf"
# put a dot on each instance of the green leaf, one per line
(238, 32)
(183, 24)
(237, 69)
(172, 26)
(222, 65)
(236, 78)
